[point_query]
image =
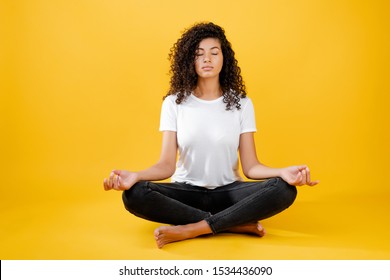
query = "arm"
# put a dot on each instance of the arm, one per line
(253, 169)
(163, 169)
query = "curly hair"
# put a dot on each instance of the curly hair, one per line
(182, 70)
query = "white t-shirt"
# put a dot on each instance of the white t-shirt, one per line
(208, 137)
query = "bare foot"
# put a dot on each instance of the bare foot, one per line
(250, 228)
(169, 234)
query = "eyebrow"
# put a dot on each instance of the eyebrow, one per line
(210, 48)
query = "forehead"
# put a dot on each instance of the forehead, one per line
(209, 43)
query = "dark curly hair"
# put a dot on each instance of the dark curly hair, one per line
(183, 75)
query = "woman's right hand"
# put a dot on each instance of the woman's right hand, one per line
(120, 180)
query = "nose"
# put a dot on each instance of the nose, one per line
(206, 58)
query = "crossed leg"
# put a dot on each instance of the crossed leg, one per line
(253, 201)
(168, 234)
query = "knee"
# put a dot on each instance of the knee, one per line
(287, 192)
(134, 196)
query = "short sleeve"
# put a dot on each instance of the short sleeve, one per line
(168, 117)
(248, 121)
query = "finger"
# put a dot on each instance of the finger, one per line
(106, 186)
(313, 183)
(111, 178)
(298, 180)
(304, 174)
(308, 180)
(116, 182)
(116, 173)
(302, 167)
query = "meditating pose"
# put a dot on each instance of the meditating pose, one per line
(207, 119)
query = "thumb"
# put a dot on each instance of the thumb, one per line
(116, 172)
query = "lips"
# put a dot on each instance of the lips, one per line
(207, 68)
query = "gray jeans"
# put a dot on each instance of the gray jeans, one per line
(222, 208)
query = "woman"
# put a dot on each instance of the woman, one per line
(207, 117)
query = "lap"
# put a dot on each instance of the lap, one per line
(210, 200)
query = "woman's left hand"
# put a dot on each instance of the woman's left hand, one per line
(297, 176)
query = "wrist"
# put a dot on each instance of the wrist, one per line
(280, 172)
(138, 176)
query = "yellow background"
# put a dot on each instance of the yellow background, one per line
(81, 87)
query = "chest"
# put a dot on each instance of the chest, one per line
(209, 126)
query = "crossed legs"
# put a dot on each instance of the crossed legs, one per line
(195, 211)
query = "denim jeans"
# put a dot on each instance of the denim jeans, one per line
(222, 208)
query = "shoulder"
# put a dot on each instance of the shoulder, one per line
(246, 103)
(169, 102)
(170, 98)
(243, 100)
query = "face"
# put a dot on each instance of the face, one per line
(209, 58)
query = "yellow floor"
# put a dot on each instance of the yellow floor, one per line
(94, 225)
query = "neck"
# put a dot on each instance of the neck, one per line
(208, 90)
